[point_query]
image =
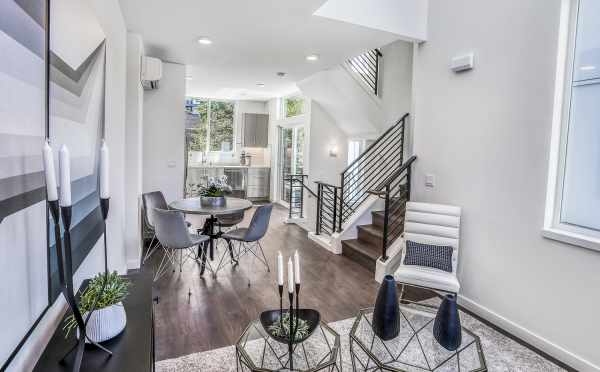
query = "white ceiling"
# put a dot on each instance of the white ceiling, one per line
(252, 41)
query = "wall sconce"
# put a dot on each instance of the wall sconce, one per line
(333, 151)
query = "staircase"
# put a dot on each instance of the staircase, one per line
(378, 172)
(366, 248)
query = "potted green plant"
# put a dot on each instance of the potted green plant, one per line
(214, 192)
(109, 318)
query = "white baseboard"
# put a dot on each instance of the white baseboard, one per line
(133, 264)
(326, 243)
(526, 335)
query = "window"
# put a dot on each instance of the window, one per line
(574, 198)
(293, 106)
(209, 125)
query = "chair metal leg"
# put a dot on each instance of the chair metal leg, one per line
(264, 257)
(168, 257)
(152, 247)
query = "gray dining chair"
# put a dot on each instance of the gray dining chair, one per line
(173, 235)
(151, 200)
(249, 237)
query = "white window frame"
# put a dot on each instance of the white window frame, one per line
(298, 118)
(553, 227)
(235, 125)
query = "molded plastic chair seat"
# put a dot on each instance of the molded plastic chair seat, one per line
(230, 219)
(252, 234)
(237, 234)
(173, 235)
(197, 239)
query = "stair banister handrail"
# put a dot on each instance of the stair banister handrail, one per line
(385, 190)
(368, 149)
(393, 176)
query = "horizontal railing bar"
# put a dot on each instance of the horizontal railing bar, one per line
(384, 147)
(404, 166)
(367, 182)
(399, 122)
(364, 73)
(381, 142)
(372, 163)
(369, 64)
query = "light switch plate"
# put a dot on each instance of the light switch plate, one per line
(171, 163)
(429, 180)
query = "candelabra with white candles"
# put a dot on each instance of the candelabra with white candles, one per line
(62, 207)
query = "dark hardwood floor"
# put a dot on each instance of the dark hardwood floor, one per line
(218, 309)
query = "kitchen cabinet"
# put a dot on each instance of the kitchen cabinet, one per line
(255, 130)
(258, 184)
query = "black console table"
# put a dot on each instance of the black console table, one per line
(133, 349)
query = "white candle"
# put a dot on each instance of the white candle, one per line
(279, 269)
(104, 169)
(290, 276)
(51, 191)
(65, 176)
(297, 267)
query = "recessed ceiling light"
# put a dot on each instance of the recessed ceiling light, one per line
(587, 68)
(204, 41)
(312, 57)
(262, 85)
(281, 74)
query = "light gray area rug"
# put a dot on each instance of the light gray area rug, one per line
(501, 353)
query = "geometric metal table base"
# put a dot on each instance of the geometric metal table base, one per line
(415, 348)
(257, 351)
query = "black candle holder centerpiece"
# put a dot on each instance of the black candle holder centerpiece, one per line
(65, 274)
(290, 326)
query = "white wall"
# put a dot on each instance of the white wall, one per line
(485, 135)
(406, 18)
(164, 134)
(110, 18)
(395, 86)
(323, 133)
(134, 153)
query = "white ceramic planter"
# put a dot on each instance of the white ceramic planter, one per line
(106, 323)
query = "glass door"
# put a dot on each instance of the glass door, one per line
(290, 157)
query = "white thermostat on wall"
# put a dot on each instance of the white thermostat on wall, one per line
(462, 63)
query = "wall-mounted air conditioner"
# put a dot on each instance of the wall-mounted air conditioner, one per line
(151, 72)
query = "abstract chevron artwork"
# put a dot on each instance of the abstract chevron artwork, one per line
(23, 244)
(77, 119)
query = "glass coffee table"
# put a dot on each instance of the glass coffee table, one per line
(257, 351)
(415, 348)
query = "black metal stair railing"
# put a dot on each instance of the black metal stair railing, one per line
(335, 204)
(384, 157)
(328, 208)
(297, 187)
(395, 190)
(366, 66)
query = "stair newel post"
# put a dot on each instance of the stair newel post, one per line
(291, 195)
(341, 203)
(386, 217)
(334, 220)
(319, 195)
(302, 196)
(408, 172)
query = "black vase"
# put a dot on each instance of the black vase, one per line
(446, 329)
(386, 315)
